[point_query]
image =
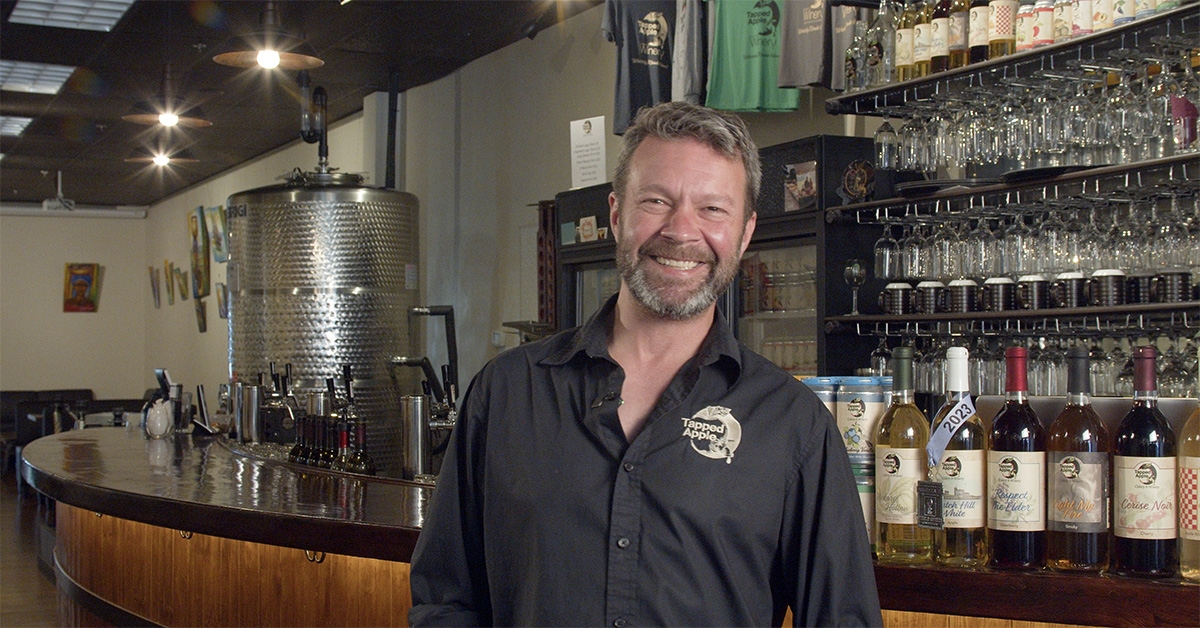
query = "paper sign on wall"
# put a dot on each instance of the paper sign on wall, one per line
(588, 159)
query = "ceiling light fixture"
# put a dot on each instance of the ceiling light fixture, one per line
(273, 47)
(13, 125)
(162, 157)
(167, 110)
(36, 78)
(92, 15)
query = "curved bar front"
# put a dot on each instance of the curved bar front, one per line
(198, 484)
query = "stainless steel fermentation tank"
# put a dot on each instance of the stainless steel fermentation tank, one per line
(322, 273)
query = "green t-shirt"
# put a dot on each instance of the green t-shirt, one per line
(744, 70)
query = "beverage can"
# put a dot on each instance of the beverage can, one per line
(860, 404)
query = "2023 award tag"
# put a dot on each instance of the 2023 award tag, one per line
(929, 493)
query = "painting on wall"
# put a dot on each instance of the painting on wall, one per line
(169, 272)
(154, 288)
(222, 301)
(81, 289)
(200, 270)
(218, 235)
(181, 282)
(201, 315)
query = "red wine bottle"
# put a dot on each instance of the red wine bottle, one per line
(1077, 478)
(1017, 475)
(1144, 501)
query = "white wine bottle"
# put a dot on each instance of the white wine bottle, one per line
(900, 463)
(962, 541)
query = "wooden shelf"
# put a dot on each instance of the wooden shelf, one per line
(1088, 600)
(1188, 307)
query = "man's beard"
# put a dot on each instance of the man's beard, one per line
(653, 295)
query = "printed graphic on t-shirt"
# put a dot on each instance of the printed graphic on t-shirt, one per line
(653, 40)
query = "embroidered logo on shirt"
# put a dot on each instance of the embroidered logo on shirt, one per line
(714, 433)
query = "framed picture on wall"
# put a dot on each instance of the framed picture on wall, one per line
(199, 233)
(81, 289)
(201, 315)
(154, 288)
(218, 235)
(222, 301)
(169, 272)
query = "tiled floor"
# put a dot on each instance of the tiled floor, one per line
(27, 597)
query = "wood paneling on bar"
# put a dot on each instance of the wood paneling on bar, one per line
(156, 573)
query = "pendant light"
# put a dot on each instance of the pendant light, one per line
(273, 47)
(162, 157)
(167, 110)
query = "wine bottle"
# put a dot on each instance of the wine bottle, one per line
(959, 27)
(905, 68)
(1189, 492)
(341, 462)
(939, 37)
(1002, 28)
(900, 440)
(923, 38)
(977, 31)
(1016, 474)
(881, 46)
(1077, 481)
(962, 541)
(1144, 534)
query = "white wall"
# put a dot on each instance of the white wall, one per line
(42, 347)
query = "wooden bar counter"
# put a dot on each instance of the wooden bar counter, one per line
(189, 532)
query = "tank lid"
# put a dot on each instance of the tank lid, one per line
(323, 179)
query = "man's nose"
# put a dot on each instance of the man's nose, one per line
(682, 224)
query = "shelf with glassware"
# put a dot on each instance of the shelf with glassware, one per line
(987, 74)
(1106, 256)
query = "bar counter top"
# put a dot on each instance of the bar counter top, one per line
(198, 484)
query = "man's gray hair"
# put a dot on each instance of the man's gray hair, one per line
(722, 132)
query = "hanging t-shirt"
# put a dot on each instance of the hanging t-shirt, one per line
(688, 74)
(812, 44)
(803, 44)
(641, 29)
(744, 69)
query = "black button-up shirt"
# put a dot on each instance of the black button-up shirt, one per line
(735, 502)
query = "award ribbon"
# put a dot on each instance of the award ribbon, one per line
(945, 430)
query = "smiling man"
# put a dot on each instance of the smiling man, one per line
(647, 468)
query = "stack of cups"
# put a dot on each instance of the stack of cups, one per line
(861, 401)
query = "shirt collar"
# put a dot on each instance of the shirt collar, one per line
(592, 340)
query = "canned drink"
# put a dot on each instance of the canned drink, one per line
(860, 403)
(826, 390)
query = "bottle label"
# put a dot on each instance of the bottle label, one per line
(1081, 14)
(961, 474)
(1063, 20)
(1189, 499)
(1025, 28)
(1002, 20)
(958, 30)
(1077, 492)
(857, 415)
(904, 47)
(1043, 26)
(1144, 8)
(1144, 497)
(1122, 11)
(977, 30)
(921, 40)
(897, 471)
(1016, 487)
(1102, 14)
(939, 38)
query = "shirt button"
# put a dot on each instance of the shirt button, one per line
(629, 466)
(609, 396)
(620, 622)
(623, 542)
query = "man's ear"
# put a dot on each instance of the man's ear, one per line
(613, 215)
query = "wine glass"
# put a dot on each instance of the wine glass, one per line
(887, 254)
(880, 357)
(855, 275)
